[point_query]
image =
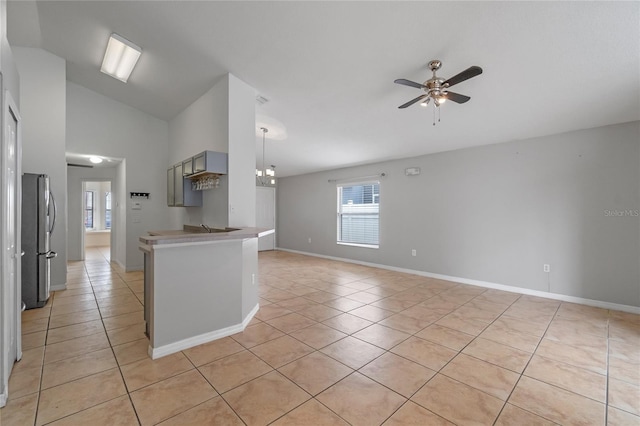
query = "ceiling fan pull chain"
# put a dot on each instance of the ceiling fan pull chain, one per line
(434, 113)
(438, 113)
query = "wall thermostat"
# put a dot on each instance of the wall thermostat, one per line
(412, 171)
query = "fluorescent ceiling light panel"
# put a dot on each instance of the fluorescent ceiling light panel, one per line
(120, 58)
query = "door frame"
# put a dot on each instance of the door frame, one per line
(113, 224)
(10, 320)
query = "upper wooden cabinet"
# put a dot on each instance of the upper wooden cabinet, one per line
(210, 162)
(179, 190)
(187, 167)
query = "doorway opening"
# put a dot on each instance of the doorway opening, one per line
(97, 199)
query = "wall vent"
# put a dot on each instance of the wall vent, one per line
(261, 100)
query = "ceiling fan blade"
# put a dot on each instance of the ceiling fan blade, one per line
(408, 83)
(457, 97)
(464, 75)
(413, 101)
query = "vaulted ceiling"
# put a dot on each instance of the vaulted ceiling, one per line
(327, 68)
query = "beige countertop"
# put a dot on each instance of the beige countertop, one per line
(175, 236)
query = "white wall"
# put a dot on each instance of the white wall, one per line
(202, 126)
(10, 77)
(42, 88)
(75, 177)
(496, 214)
(223, 120)
(242, 154)
(101, 126)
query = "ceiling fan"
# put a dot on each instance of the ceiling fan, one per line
(436, 88)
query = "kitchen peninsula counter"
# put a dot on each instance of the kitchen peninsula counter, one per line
(199, 286)
(175, 236)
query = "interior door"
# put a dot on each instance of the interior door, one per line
(11, 250)
(266, 216)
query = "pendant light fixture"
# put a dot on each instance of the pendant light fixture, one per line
(265, 176)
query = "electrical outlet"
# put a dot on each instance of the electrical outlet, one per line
(546, 267)
(413, 252)
(253, 279)
(309, 240)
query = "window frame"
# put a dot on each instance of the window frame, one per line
(340, 214)
(92, 209)
(108, 195)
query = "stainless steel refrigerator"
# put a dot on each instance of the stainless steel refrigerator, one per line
(38, 222)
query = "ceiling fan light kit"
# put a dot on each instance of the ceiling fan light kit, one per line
(436, 88)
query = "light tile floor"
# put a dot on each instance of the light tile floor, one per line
(333, 344)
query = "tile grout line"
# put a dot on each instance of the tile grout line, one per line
(606, 385)
(135, 411)
(110, 347)
(44, 353)
(410, 335)
(526, 366)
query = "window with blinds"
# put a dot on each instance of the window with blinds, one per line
(88, 209)
(107, 210)
(359, 214)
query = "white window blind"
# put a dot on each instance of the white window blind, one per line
(107, 210)
(88, 209)
(359, 214)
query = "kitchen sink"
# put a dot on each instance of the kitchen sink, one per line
(220, 230)
(192, 229)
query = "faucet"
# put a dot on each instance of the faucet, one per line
(206, 227)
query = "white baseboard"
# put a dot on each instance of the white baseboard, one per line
(58, 287)
(135, 268)
(250, 316)
(486, 284)
(3, 398)
(190, 342)
(120, 264)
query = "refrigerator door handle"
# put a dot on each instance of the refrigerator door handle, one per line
(55, 212)
(51, 255)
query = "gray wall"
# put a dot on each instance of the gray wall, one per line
(99, 125)
(223, 120)
(43, 98)
(496, 214)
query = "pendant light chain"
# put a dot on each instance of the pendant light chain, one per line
(264, 171)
